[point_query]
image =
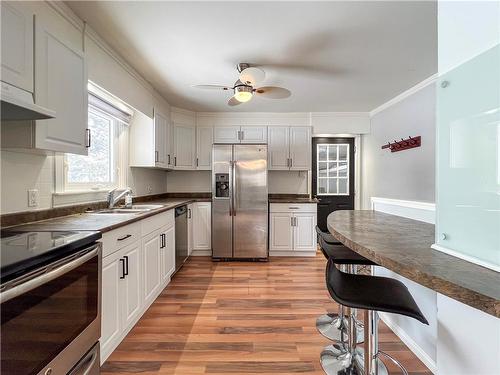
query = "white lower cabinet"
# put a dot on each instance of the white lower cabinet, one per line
(138, 260)
(292, 229)
(202, 226)
(151, 265)
(121, 295)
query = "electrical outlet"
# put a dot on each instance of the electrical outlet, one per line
(150, 189)
(32, 197)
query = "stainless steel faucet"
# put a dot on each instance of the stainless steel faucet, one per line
(116, 194)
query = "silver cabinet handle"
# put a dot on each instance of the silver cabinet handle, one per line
(44, 278)
(291, 221)
(168, 159)
(89, 138)
(124, 237)
(291, 162)
(293, 208)
(156, 156)
(294, 221)
(175, 161)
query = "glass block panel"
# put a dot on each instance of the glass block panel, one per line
(322, 166)
(322, 186)
(343, 154)
(343, 186)
(332, 169)
(342, 169)
(322, 152)
(332, 152)
(332, 186)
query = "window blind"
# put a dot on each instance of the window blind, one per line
(112, 110)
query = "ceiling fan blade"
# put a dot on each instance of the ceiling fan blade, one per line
(232, 101)
(213, 87)
(252, 76)
(273, 92)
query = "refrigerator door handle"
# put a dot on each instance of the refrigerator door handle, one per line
(234, 202)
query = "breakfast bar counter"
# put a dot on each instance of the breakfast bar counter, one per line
(404, 246)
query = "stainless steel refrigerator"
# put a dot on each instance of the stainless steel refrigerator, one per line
(239, 202)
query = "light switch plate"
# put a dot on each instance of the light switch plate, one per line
(32, 197)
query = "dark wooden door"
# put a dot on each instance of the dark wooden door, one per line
(332, 176)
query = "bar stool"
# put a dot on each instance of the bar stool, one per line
(327, 236)
(336, 326)
(372, 293)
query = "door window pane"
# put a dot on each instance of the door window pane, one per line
(333, 169)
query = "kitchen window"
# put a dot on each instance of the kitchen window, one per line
(104, 167)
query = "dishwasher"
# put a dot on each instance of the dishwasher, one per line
(181, 237)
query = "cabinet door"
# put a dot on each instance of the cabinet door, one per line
(304, 233)
(160, 140)
(253, 134)
(185, 146)
(300, 148)
(278, 149)
(110, 306)
(131, 284)
(226, 134)
(61, 85)
(190, 227)
(151, 265)
(204, 140)
(167, 254)
(17, 44)
(202, 226)
(281, 231)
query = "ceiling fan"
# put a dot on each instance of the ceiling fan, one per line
(244, 88)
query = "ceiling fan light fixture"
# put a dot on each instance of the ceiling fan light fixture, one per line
(243, 93)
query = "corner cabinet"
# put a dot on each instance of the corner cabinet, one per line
(289, 148)
(292, 229)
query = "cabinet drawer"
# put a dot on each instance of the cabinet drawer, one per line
(155, 222)
(292, 207)
(119, 238)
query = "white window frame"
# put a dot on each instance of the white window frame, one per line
(318, 178)
(120, 157)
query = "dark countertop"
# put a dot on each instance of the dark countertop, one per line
(404, 246)
(104, 222)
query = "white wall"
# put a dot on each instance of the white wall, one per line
(408, 174)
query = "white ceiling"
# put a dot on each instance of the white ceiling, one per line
(333, 56)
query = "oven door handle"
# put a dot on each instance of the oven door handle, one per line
(44, 278)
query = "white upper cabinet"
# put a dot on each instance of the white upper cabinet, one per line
(61, 85)
(300, 148)
(17, 44)
(278, 151)
(184, 146)
(204, 140)
(161, 138)
(226, 134)
(289, 148)
(253, 134)
(240, 134)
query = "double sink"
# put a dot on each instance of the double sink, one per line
(134, 209)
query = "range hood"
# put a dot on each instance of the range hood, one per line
(18, 105)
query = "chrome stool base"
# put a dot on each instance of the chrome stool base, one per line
(336, 360)
(331, 327)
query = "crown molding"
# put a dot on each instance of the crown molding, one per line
(339, 114)
(183, 111)
(299, 115)
(412, 90)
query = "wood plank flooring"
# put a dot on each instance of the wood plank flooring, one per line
(239, 318)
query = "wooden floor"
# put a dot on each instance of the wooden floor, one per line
(239, 318)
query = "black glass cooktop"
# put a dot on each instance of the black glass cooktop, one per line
(21, 252)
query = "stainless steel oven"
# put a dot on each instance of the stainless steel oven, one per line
(50, 316)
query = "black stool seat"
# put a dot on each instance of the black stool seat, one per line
(341, 254)
(327, 236)
(371, 293)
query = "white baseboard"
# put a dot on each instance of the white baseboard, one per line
(292, 253)
(408, 341)
(201, 253)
